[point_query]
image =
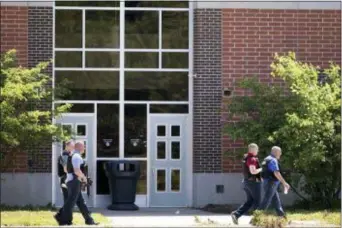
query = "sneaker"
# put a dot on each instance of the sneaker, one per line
(234, 218)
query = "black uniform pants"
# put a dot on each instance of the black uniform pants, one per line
(253, 194)
(74, 198)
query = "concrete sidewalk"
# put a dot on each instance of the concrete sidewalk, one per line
(170, 217)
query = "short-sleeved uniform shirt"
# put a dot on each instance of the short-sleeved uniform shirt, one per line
(252, 160)
(273, 165)
(76, 161)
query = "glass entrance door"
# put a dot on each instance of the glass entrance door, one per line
(168, 160)
(82, 128)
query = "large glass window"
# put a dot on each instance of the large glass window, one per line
(175, 30)
(105, 59)
(152, 57)
(157, 86)
(88, 85)
(141, 29)
(68, 28)
(135, 130)
(68, 59)
(141, 60)
(102, 29)
(107, 130)
(89, 3)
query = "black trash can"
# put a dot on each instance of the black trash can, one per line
(123, 184)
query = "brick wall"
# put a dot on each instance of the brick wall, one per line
(251, 36)
(14, 31)
(40, 40)
(207, 91)
(29, 31)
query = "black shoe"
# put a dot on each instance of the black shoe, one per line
(92, 223)
(58, 220)
(234, 218)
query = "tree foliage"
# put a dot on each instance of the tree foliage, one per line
(304, 119)
(24, 121)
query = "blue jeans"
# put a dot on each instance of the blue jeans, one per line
(271, 195)
(253, 194)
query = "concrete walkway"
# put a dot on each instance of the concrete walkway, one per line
(170, 217)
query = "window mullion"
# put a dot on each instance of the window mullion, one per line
(122, 82)
(83, 37)
(160, 38)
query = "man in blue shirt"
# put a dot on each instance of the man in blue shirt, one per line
(272, 179)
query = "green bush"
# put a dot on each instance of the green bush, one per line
(304, 119)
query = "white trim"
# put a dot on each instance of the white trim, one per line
(156, 150)
(168, 114)
(53, 145)
(180, 180)
(148, 163)
(156, 70)
(160, 38)
(84, 69)
(86, 8)
(189, 123)
(124, 69)
(125, 50)
(95, 154)
(117, 159)
(83, 38)
(126, 102)
(155, 9)
(76, 114)
(122, 83)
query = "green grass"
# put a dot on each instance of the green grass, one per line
(40, 216)
(323, 217)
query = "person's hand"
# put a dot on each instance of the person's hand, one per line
(287, 186)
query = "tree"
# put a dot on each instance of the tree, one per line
(304, 119)
(24, 122)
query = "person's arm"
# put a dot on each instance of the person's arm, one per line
(254, 170)
(278, 175)
(252, 162)
(275, 169)
(76, 163)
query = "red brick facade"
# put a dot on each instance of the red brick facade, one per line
(252, 36)
(14, 35)
(14, 31)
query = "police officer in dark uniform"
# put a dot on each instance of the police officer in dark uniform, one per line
(251, 182)
(74, 181)
(62, 167)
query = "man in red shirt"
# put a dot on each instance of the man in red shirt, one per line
(251, 182)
